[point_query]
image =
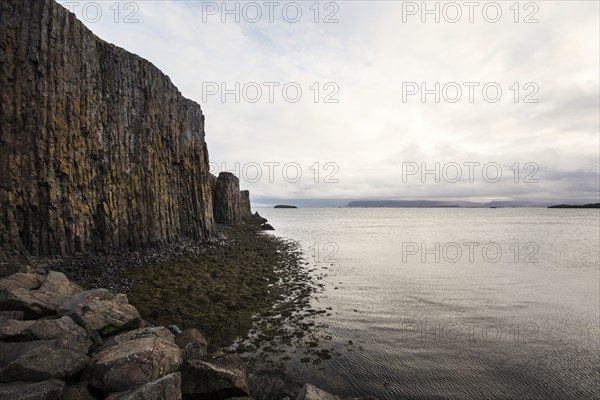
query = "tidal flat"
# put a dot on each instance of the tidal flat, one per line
(226, 287)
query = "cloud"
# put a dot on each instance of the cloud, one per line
(368, 56)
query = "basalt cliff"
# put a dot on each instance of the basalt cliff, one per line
(99, 149)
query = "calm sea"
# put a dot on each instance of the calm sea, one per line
(454, 303)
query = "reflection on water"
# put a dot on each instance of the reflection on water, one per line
(454, 303)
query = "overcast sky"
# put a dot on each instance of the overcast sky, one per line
(370, 61)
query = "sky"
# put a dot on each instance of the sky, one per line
(390, 100)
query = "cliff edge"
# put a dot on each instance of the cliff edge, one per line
(99, 149)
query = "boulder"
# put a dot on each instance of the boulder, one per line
(310, 392)
(51, 389)
(267, 227)
(159, 332)
(38, 361)
(79, 391)
(166, 388)
(58, 284)
(174, 329)
(100, 311)
(126, 365)
(193, 344)
(21, 280)
(67, 333)
(218, 378)
(54, 290)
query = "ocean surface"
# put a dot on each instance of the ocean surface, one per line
(453, 303)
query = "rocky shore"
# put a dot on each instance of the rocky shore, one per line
(171, 335)
(59, 341)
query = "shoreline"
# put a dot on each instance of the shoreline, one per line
(59, 341)
(247, 292)
(243, 271)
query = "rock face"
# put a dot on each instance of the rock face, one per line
(229, 204)
(245, 206)
(99, 149)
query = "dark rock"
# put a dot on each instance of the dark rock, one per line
(174, 329)
(21, 280)
(284, 206)
(51, 389)
(258, 218)
(128, 364)
(227, 199)
(100, 311)
(245, 207)
(272, 385)
(310, 392)
(592, 205)
(159, 332)
(68, 334)
(54, 290)
(218, 378)
(18, 315)
(7, 269)
(166, 388)
(267, 227)
(80, 391)
(193, 344)
(38, 361)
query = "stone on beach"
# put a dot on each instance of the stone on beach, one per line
(100, 311)
(193, 344)
(51, 389)
(134, 362)
(16, 295)
(225, 375)
(79, 391)
(310, 392)
(165, 388)
(38, 361)
(67, 333)
(21, 280)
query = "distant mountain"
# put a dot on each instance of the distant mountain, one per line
(594, 205)
(409, 203)
(443, 204)
(284, 206)
(517, 203)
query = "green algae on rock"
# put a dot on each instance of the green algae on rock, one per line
(220, 290)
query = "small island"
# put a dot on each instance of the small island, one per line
(594, 205)
(284, 206)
